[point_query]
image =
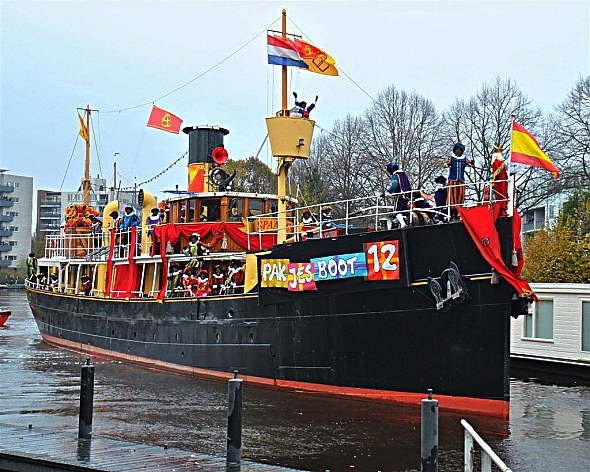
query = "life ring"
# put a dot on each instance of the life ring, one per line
(219, 155)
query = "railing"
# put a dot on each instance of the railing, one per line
(487, 454)
(92, 246)
(377, 212)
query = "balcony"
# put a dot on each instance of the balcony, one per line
(6, 189)
(6, 218)
(5, 233)
(5, 203)
(5, 247)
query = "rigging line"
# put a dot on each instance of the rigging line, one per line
(339, 67)
(261, 146)
(96, 147)
(160, 174)
(198, 76)
(69, 162)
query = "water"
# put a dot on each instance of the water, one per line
(548, 430)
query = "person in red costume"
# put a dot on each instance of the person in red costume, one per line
(217, 281)
(499, 179)
(201, 286)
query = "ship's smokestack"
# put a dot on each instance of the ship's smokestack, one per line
(202, 140)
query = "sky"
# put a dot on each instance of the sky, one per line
(120, 57)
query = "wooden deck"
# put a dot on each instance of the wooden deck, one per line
(43, 450)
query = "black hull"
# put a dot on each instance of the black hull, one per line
(379, 340)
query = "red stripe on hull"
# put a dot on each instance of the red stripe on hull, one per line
(478, 406)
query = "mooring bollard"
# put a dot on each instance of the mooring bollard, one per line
(86, 400)
(234, 423)
(429, 434)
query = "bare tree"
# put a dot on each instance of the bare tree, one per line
(571, 127)
(486, 119)
(404, 127)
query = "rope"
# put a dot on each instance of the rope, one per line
(339, 67)
(198, 76)
(157, 176)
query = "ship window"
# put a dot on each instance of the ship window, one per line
(211, 208)
(235, 210)
(586, 326)
(191, 211)
(538, 324)
(254, 207)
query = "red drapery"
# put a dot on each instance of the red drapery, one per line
(109, 277)
(480, 222)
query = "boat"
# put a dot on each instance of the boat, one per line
(4, 314)
(351, 305)
(552, 342)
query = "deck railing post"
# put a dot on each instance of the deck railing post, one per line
(234, 423)
(86, 401)
(429, 434)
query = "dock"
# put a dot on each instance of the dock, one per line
(23, 448)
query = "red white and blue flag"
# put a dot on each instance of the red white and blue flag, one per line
(282, 52)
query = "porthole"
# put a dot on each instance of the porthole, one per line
(113, 332)
(251, 337)
(154, 336)
(230, 313)
(217, 338)
(182, 353)
(176, 337)
(134, 334)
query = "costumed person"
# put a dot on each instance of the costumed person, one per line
(53, 281)
(189, 282)
(499, 179)
(96, 230)
(174, 286)
(130, 218)
(301, 107)
(217, 281)
(201, 288)
(31, 266)
(86, 285)
(421, 214)
(440, 197)
(326, 217)
(308, 219)
(164, 211)
(235, 278)
(153, 219)
(399, 188)
(456, 163)
(196, 249)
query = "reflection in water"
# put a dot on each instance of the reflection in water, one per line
(549, 428)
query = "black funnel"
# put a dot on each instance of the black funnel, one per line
(202, 140)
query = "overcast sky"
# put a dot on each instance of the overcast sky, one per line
(115, 55)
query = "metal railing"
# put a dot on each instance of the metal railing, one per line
(487, 454)
(378, 212)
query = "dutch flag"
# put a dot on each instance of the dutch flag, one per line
(282, 52)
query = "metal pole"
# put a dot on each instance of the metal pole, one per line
(234, 423)
(429, 434)
(86, 400)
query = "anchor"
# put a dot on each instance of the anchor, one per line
(456, 287)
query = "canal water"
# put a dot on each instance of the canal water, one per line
(548, 429)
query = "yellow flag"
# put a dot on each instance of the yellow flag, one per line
(83, 130)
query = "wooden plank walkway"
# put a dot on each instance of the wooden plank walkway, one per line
(43, 450)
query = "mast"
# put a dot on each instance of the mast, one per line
(87, 163)
(290, 139)
(284, 161)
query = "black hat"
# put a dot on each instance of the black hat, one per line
(441, 180)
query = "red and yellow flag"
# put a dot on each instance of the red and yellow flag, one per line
(318, 61)
(526, 150)
(164, 120)
(83, 130)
